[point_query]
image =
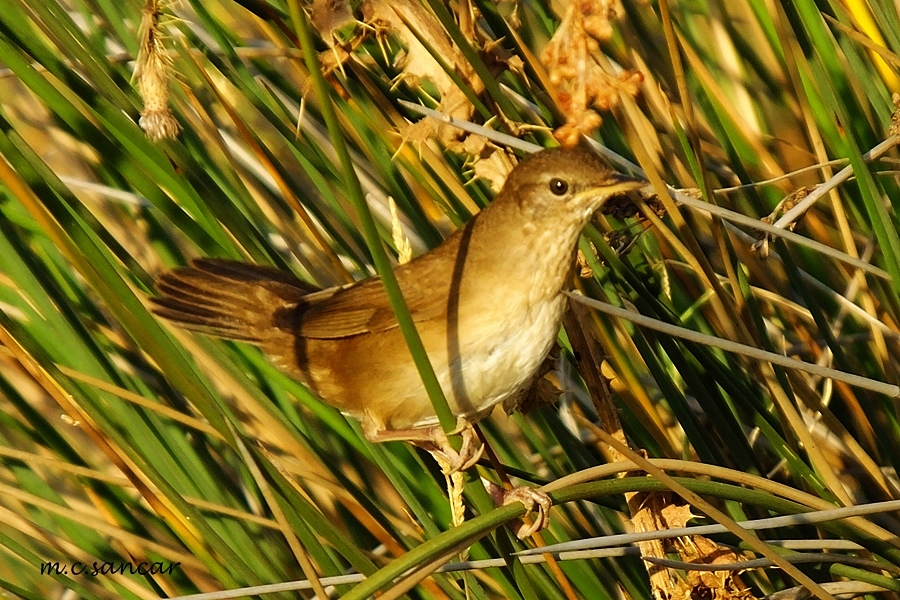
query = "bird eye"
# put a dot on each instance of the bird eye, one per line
(558, 186)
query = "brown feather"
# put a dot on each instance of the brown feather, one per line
(486, 304)
(235, 301)
(364, 307)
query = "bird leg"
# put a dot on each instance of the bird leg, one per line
(452, 461)
(535, 501)
(460, 460)
(434, 440)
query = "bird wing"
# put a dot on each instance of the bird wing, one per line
(364, 307)
(259, 304)
(262, 305)
(426, 284)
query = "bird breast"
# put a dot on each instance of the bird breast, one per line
(506, 332)
(505, 364)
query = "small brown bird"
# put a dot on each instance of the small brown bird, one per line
(487, 304)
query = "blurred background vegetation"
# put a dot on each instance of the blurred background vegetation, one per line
(123, 440)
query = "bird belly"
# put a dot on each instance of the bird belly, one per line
(510, 364)
(499, 363)
(496, 359)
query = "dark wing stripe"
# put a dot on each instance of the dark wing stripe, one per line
(213, 327)
(209, 296)
(244, 272)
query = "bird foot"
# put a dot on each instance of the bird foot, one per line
(450, 459)
(434, 440)
(535, 501)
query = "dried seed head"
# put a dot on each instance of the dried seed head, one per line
(152, 72)
(895, 116)
(580, 83)
(584, 268)
(401, 242)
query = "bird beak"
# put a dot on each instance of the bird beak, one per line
(619, 184)
(616, 185)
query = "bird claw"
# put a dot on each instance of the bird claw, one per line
(468, 455)
(535, 501)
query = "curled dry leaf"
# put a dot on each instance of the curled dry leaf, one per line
(410, 22)
(712, 585)
(423, 36)
(658, 512)
(761, 246)
(407, 20)
(652, 512)
(332, 19)
(488, 161)
(330, 16)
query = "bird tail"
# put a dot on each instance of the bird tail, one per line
(231, 300)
